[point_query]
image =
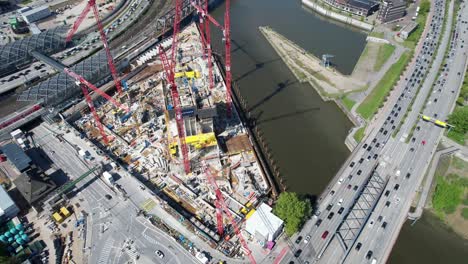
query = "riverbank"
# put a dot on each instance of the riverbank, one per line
(339, 17)
(328, 82)
(449, 193)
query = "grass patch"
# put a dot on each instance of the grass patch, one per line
(413, 38)
(457, 137)
(348, 103)
(464, 213)
(447, 195)
(377, 34)
(377, 97)
(459, 164)
(359, 135)
(465, 200)
(25, 2)
(443, 165)
(384, 53)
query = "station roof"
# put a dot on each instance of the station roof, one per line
(33, 187)
(16, 54)
(16, 156)
(61, 86)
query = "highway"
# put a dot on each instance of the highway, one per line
(369, 199)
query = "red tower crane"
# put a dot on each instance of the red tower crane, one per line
(169, 68)
(226, 29)
(84, 85)
(110, 60)
(221, 206)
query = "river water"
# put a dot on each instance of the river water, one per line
(304, 133)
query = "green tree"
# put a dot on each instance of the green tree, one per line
(459, 119)
(425, 6)
(292, 210)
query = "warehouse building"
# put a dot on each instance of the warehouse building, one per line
(35, 14)
(16, 156)
(8, 208)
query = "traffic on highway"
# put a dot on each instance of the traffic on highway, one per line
(369, 199)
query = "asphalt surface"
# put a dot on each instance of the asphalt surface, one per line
(115, 234)
(365, 206)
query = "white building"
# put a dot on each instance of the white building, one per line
(263, 224)
(8, 208)
(36, 14)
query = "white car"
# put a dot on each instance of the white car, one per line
(307, 239)
(159, 253)
(340, 181)
(340, 202)
(371, 223)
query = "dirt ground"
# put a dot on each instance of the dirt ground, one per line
(307, 67)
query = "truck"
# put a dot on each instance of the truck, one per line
(108, 178)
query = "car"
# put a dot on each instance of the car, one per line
(396, 187)
(369, 254)
(332, 192)
(329, 207)
(340, 201)
(387, 192)
(355, 187)
(384, 225)
(408, 175)
(325, 234)
(341, 210)
(359, 172)
(365, 146)
(108, 196)
(375, 156)
(423, 142)
(350, 177)
(298, 240)
(318, 222)
(358, 246)
(349, 186)
(361, 160)
(330, 216)
(159, 254)
(371, 223)
(340, 180)
(352, 164)
(307, 239)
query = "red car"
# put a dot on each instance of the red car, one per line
(423, 142)
(325, 234)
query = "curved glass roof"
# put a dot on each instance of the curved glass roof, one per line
(16, 54)
(61, 86)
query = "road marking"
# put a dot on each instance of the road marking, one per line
(106, 250)
(148, 205)
(281, 255)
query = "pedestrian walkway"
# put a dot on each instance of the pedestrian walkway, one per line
(106, 250)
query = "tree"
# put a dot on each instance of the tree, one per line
(459, 119)
(292, 210)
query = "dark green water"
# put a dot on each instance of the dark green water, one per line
(305, 134)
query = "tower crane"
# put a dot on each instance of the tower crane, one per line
(92, 5)
(226, 29)
(169, 68)
(220, 207)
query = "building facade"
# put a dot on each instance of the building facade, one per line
(391, 10)
(357, 7)
(36, 14)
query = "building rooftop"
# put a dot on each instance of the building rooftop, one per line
(32, 186)
(5, 200)
(16, 156)
(263, 222)
(366, 4)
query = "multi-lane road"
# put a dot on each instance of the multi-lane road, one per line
(115, 231)
(359, 216)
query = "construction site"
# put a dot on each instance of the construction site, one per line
(164, 121)
(179, 140)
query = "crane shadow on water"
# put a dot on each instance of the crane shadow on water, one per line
(280, 87)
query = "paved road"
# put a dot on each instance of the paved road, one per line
(364, 206)
(112, 223)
